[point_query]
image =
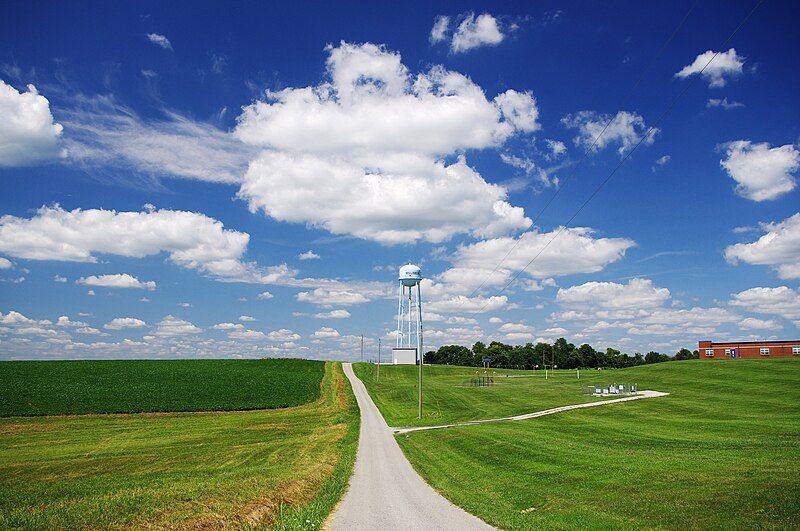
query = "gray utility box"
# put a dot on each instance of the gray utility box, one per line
(404, 356)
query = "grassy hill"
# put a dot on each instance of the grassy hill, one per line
(448, 396)
(722, 451)
(132, 386)
(279, 468)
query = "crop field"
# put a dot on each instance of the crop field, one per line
(722, 451)
(276, 468)
(448, 396)
(133, 386)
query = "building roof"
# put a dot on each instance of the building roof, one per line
(769, 342)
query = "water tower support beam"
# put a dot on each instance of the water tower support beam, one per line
(400, 317)
(409, 317)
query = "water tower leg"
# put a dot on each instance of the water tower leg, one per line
(400, 317)
(409, 317)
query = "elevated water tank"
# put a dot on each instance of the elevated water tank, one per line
(410, 275)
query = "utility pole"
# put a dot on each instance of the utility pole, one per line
(379, 359)
(419, 342)
(362, 348)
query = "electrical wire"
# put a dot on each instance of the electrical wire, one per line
(628, 154)
(623, 102)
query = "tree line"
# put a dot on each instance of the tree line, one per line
(561, 354)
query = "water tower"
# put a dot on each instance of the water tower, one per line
(409, 322)
(410, 276)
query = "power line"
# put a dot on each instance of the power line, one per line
(624, 101)
(629, 153)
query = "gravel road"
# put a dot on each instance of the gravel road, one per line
(385, 492)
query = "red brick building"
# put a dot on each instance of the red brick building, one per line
(749, 349)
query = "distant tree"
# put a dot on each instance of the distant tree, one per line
(574, 360)
(561, 352)
(684, 354)
(528, 355)
(542, 354)
(655, 357)
(500, 354)
(607, 358)
(696, 354)
(516, 358)
(450, 355)
(588, 355)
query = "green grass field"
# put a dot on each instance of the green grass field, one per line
(132, 386)
(722, 451)
(448, 396)
(281, 468)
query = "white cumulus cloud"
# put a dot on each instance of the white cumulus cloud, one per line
(123, 280)
(159, 40)
(332, 297)
(778, 248)
(326, 332)
(362, 153)
(752, 323)
(247, 335)
(761, 172)
(473, 32)
(121, 323)
(228, 326)
(725, 65)
(625, 129)
(191, 240)
(171, 326)
(556, 147)
(283, 334)
(333, 314)
(308, 255)
(723, 104)
(575, 250)
(636, 294)
(782, 301)
(441, 25)
(28, 133)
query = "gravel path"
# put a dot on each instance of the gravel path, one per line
(385, 492)
(526, 416)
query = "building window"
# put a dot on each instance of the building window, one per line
(796, 351)
(709, 352)
(765, 351)
(727, 352)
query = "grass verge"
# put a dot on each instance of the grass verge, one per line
(283, 468)
(720, 452)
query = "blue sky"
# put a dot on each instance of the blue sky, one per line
(209, 180)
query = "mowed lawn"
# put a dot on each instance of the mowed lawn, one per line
(132, 386)
(449, 397)
(281, 468)
(722, 451)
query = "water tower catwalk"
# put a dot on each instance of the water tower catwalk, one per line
(409, 317)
